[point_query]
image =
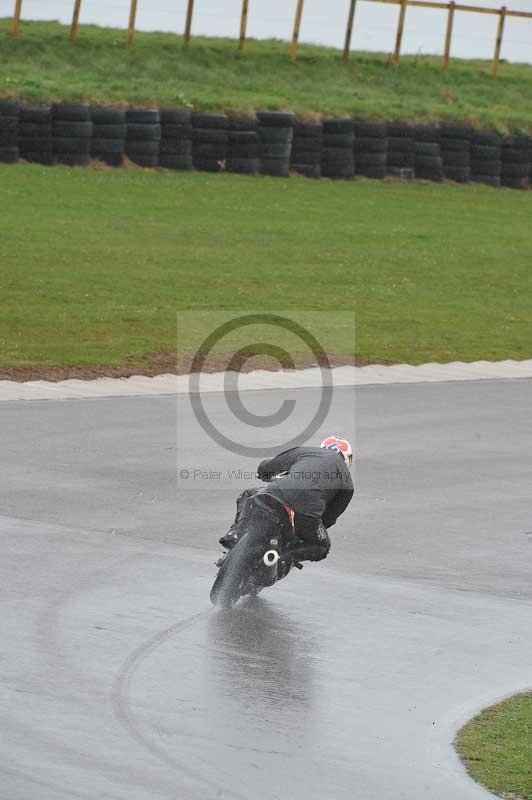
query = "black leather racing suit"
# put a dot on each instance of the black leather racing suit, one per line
(315, 483)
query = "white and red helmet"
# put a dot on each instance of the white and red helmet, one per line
(341, 446)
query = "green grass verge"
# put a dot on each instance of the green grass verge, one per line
(43, 65)
(94, 264)
(496, 747)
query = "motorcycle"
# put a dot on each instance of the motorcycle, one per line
(256, 562)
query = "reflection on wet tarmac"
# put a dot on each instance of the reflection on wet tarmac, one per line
(259, 654)
(260, 689)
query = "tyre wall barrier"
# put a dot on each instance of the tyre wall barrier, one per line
(486, 161)
(35, 135)
(276, 134)
(515, 162)
(243, 147)
(456, 152)
(401, 160)
(271, 143)
(71, 134)
(338, 151)
(109, 128)
(9, 125)
(210, 133)
(176, 139)
(428, 161)
(307, 144)
(371, 149)
(143, 136)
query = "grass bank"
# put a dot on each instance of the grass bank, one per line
(95, 264)
(496, 747)
(43, 65)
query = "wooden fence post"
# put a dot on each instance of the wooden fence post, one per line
(16, 18)
(498, 43)
(132, 19)
(243, 24)
(75, 20)
(349, 30)
(297, 26)
(399, 37)
(448, 36)
(188, 23)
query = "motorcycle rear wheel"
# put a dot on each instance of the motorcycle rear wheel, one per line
(234, 574)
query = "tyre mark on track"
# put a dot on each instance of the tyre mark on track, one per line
(120, 701)
(60, 790)
(53, 654)
(48, 633)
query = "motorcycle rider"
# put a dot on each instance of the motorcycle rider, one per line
(314, 485)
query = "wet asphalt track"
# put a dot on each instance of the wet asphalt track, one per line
(345, 681)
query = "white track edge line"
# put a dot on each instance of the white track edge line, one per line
(374, 374)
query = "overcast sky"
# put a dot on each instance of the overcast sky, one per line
(323, 22)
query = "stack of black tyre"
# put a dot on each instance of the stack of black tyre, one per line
(71, 134)
(108, 135)
(243, 155)
(273, 143)
(515, 167)
(35, 134)
(209, 141)
(456, 152)
(371, 149)
(176, 139)
(486, 158)
(401, 161)
(305, 158)
(428, 163)
(143, 136)
(9, 119)
(337, 155)
(276, 133)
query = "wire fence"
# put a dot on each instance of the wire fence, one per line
(446, 13)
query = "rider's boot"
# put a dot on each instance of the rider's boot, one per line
(236, 531)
